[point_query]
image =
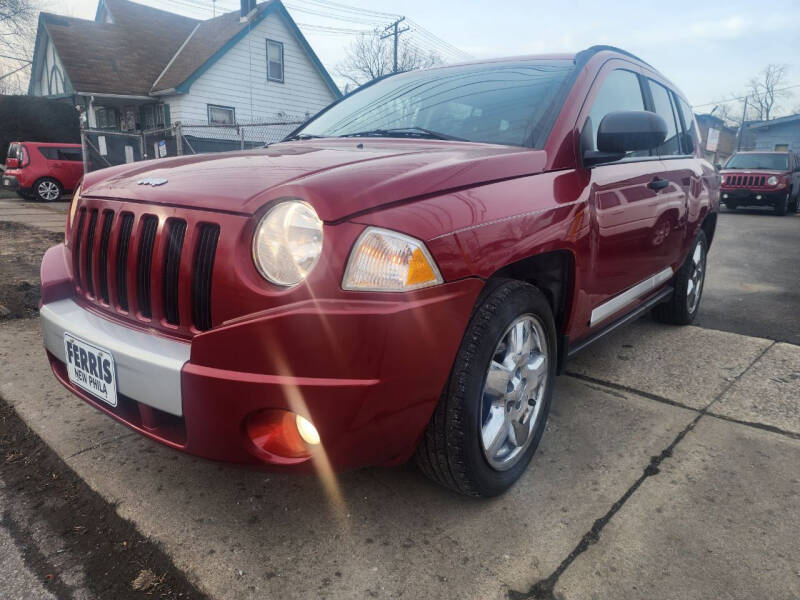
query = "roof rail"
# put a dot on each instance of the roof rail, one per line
(584, 55)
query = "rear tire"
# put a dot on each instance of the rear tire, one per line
(781, 206)
(684, 304)
(47, 189)
(793, 202)
(499, 376)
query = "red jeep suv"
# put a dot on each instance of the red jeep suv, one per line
(402, 276)
(42, 171)
(762, 179)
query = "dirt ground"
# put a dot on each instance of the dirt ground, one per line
(21, 251)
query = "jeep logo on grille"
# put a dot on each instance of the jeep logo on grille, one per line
(154, 181)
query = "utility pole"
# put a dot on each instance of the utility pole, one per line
(396, 34)
(741, 127)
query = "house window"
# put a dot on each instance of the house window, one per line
(274, 61)
(221, 115)
(106, 118)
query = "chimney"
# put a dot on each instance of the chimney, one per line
(248, 6)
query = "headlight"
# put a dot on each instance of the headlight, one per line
(722, 179)
(772, 180)
(387, 261)
(287, 242)
(73, 207)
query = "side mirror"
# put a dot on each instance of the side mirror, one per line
(12, 163)
(626, 131)
(718, 166)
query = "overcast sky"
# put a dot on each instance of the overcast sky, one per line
(708, 49)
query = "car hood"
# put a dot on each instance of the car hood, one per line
(340, 177)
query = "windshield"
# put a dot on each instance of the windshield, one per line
(770, 162)
(498, 103)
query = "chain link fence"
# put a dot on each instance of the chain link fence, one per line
(103, 148)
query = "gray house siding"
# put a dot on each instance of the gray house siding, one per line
(772, 137)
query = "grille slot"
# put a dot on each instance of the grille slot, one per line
(172, 262)
(148, 239)
(76, 257)
(133, 262)
(208, 236)
(122, 260)
(108, 219)
(90, 253)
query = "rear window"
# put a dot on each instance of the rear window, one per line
(506, 103)
(769, 162)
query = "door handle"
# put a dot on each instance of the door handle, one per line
(658, 184)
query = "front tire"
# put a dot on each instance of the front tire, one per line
(47, 189)
(492, 414)
(782, 206)
(683, 305)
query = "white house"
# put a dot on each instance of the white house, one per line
(135, 67)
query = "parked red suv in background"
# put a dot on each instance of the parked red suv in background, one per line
(762, 179)
(43, 171)
(403, 276)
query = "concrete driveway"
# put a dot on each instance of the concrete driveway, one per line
(658, 477)
(669, 469)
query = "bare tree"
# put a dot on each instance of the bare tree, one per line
(764, 90)
(17, 33)
(370, 57)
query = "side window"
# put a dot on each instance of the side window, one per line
(662, 103)
(690, 129)
(72, 154)
(620, 91)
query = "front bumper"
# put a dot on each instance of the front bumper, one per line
(367, 373)
(752, 197)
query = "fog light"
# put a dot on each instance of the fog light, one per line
(277, 433)
(307, 431)
(724, 195)
(758, 197)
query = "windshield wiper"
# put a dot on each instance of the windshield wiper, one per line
(302, 136)
(413, 132)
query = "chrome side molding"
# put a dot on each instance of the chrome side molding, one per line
(617, 303)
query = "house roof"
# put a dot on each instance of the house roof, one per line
(123, 57)
(215, 37)
(771, 122)
(210, 37)
(146, 50)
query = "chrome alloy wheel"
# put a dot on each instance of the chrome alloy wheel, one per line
(694, 288)
(48, 191)
(513, 394)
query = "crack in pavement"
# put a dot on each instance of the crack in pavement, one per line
(544, 589)
(101, 444)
